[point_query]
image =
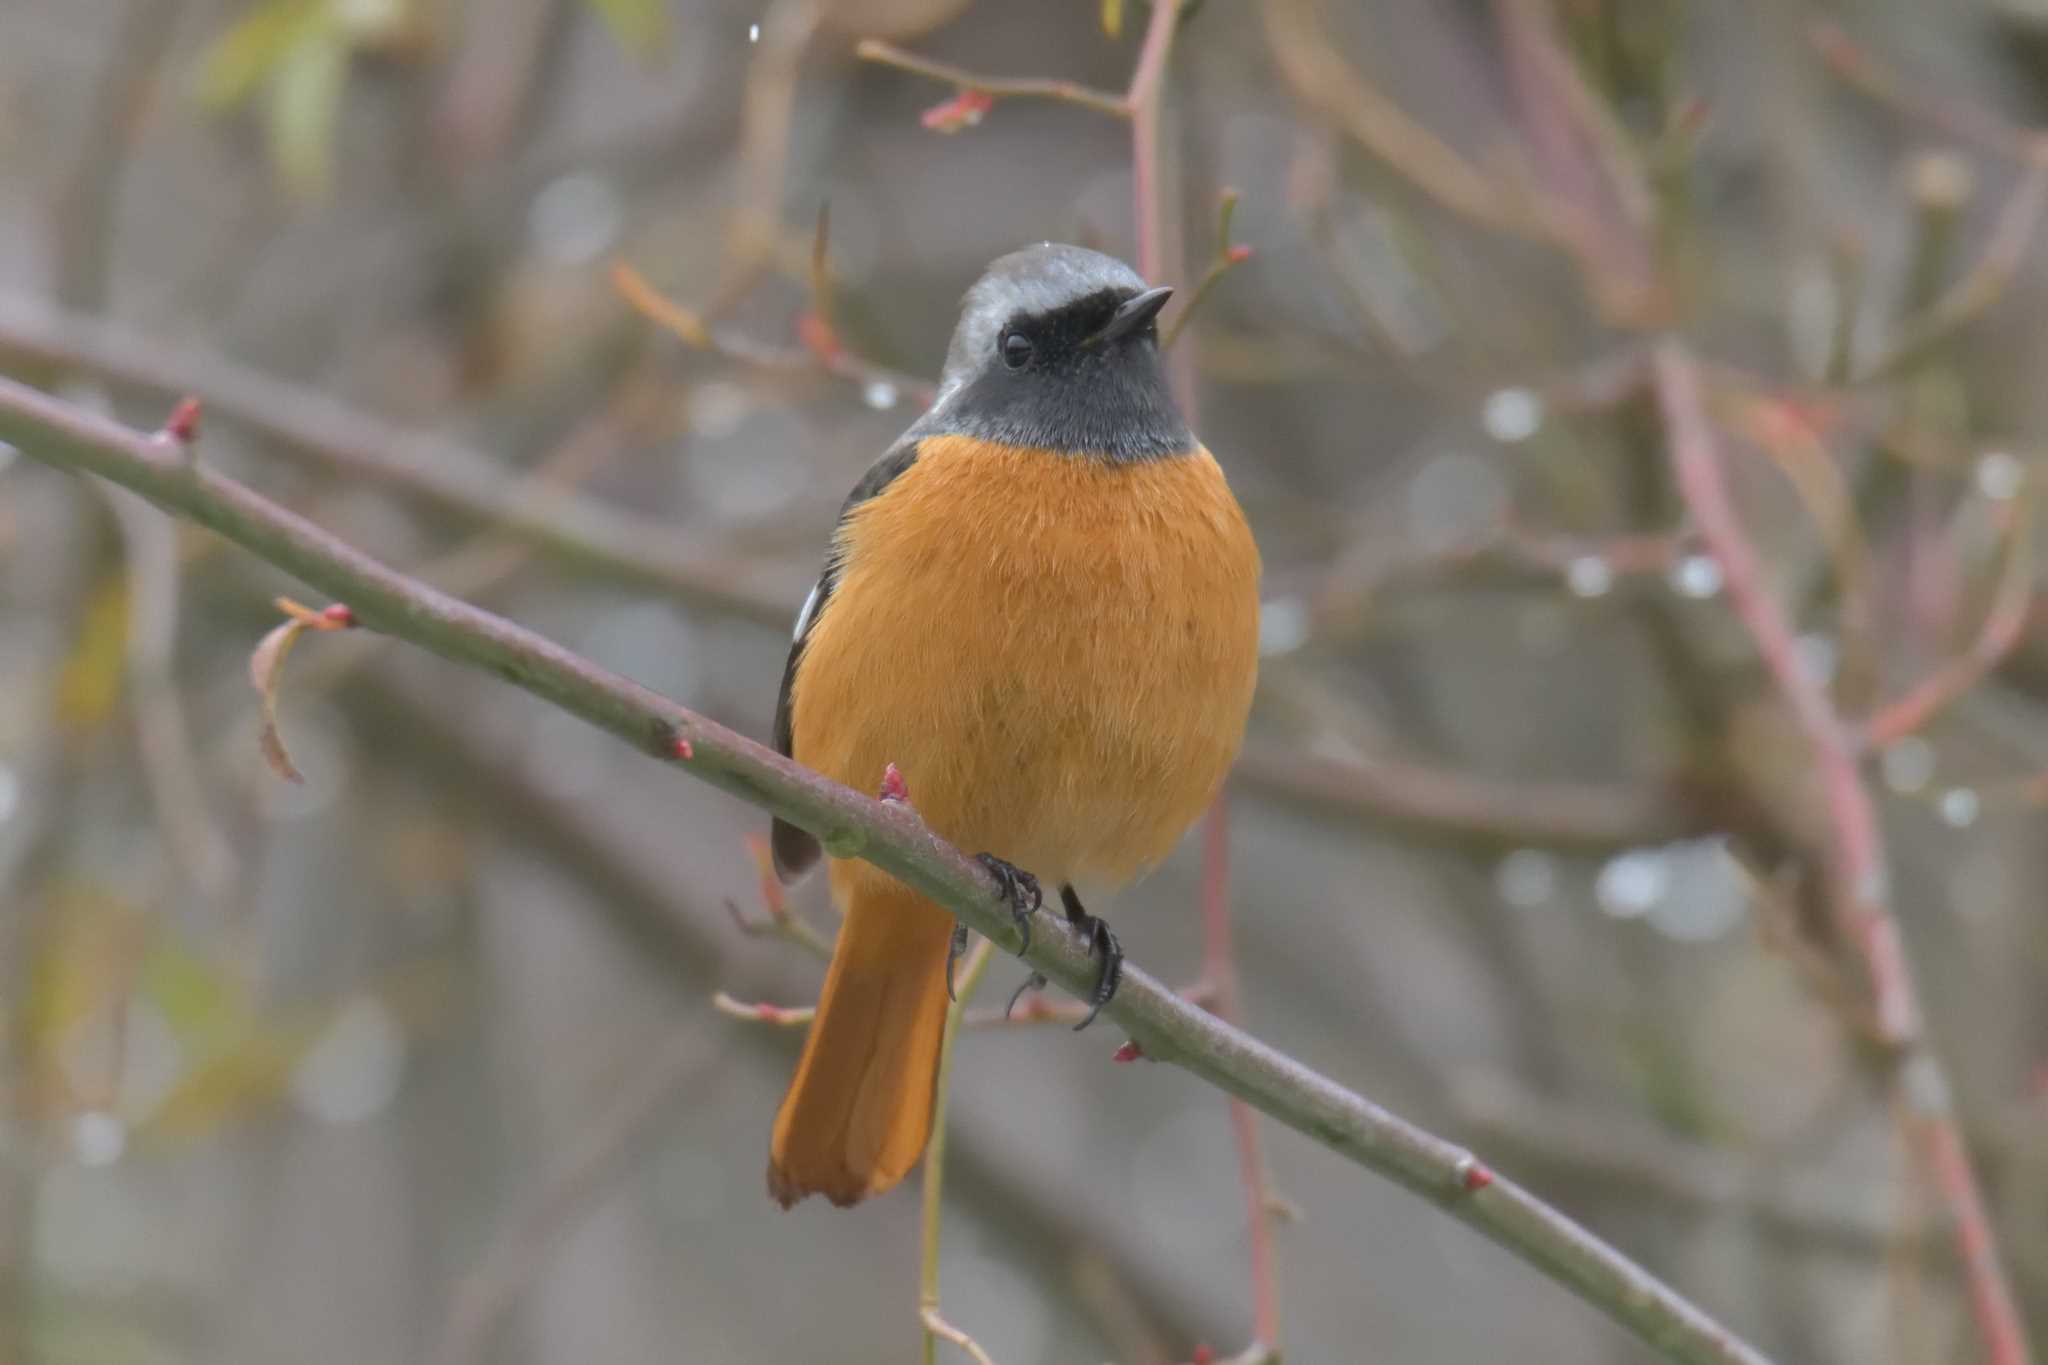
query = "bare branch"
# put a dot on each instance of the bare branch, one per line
(306, 423)
(996, 87)
(892, 837)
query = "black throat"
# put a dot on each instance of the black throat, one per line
(1108, 404)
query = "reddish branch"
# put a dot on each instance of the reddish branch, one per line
(1857, 883)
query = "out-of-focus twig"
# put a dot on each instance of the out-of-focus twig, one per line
(932, 1212)
(1228, 257)
(1784, 433)
(306, 423)
(83, 215)
(1858, 883)
(753, 227)
(1219, 973)
(693, 330)
(777, 920)
(1501, 810)
(1633, 1158)
(1863, 69)
(1856, 873)
(995, 87)
(2004, 623)
(1590, 182)
(1310, 64)
(519, 1250)
(170, 766)
(892, 837)
(1978, 288)
(1034, 1008)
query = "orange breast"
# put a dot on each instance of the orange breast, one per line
(1058, 653)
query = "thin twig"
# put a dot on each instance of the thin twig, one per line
(1309, 63)
(1219, 969)
(753, 228)
(892, 837)
(695, 331)
(1858, 888)
(1917, 97)
(1219, 965)
(932, 1213)
(1980, 287)
(306, 423)
(170, 765)
(1226, 259)
(1445, 803)
(1033, 1009)
(2004, 624)
(1144, 99)
(996, 87)
(936, 1326)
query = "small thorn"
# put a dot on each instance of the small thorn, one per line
(182, 425)
(1239, 254)
(683, 749)
(894, 788)
(1129, 1052)
(1474, 1175)
(339, 614)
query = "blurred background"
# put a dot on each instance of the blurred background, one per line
(417, 1060)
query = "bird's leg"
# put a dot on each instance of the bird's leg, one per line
(954, 950)
(1019, 890)
(1102, 941)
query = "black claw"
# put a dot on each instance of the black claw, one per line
(1100, 940)
(1019, 890)
(1034, 982)
(953, 952)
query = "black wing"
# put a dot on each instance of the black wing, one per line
(796, 851)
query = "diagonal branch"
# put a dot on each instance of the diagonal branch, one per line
(306, 423)
(892, 837)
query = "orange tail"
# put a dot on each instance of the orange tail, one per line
(858, 1113)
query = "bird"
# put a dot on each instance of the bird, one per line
(1042, 605)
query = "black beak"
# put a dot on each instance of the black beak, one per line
(1134, 314)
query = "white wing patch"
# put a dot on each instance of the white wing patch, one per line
(803, 616)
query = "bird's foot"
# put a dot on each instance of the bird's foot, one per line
(1034, 982)
(1018, 889)
(1101, 941)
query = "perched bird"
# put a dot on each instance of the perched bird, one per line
(1042, 605)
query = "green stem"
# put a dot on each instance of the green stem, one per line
(935, 1154)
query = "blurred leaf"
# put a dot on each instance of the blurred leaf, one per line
(89, 687)
(82, 958)
(253, 1068)
(203, 1003)
(303, 101)
(235, 63)
(641, 26)
(1113, 18)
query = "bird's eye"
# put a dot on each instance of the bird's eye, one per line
(1016, 349)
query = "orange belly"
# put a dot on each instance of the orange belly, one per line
(1058, 653)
